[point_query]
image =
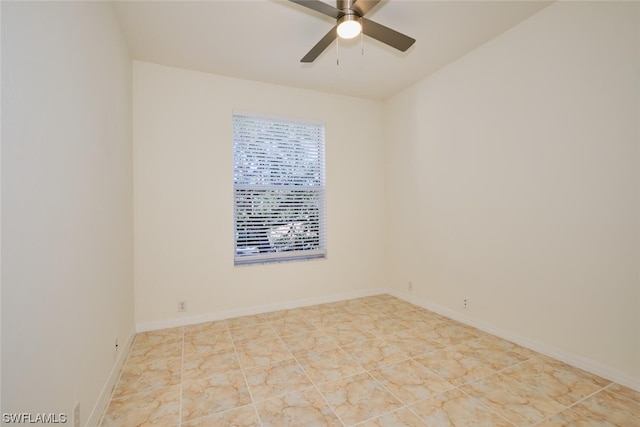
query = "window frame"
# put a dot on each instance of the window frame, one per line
(313, 195)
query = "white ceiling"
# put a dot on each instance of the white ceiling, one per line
(264, 40)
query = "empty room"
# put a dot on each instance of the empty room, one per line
(319, 213)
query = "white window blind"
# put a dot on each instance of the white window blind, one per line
(279, 190)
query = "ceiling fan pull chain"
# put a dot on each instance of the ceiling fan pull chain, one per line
(362, 38)
(338, 52)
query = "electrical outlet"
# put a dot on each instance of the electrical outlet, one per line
(466, 302)
(182, 305)
(410, 287)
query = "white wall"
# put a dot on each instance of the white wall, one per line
(183, 171)
(513, 180)
(67, 276)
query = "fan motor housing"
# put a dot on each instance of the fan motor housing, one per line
(351, 16)
(345, 6)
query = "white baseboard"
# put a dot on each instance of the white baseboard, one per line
(575, 360)
(105, 395)
(260, 309)
(562, 355)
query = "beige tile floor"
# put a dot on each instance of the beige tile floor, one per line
(375, 361)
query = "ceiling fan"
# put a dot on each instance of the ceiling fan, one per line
(350, 21)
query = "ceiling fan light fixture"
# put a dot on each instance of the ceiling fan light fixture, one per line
(349, 27)
(350, 22)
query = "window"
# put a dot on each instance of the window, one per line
(279, 190)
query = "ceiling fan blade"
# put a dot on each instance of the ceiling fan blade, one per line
(321, 7)
(386, 35)
(362, 7)
(321, 45)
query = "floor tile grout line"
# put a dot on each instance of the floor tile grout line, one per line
(316, 386)
(181, 380)
(359, 310)
(235, 350)
(491, 410)
(619, 394)
(408, 406)
(528, 359)
(410, 409)
(404, 405)
(402, 402)
(565, 407)
(244, 376)
(375, 417)
(534, 389)
(202, 417)
(589, 396)
(460, 388)
(240, 369)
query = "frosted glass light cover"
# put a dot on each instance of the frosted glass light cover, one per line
(349, 29)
